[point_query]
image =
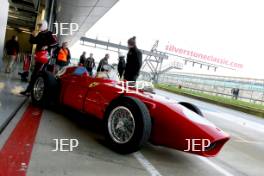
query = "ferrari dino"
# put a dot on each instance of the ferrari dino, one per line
(131, 118)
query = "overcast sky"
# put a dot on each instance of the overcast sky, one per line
(231, 29)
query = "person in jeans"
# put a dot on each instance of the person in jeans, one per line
(12, 50)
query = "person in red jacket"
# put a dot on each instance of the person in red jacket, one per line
(44, 40)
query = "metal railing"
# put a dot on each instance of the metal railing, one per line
(250, 90)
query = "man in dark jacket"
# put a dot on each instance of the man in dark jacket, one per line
(103, 62)
(134, 61)
(12, 50)
(121, 65)
(45, 40)
(90, 64)
(82, 59)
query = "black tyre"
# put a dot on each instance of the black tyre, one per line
(127, 125)
(45, 89)
(192, 107)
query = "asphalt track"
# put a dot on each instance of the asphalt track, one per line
(242, 155)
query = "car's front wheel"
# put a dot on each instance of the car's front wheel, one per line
(127, 125)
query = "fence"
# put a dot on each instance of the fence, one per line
(251, 90)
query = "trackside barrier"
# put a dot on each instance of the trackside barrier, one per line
(250, 90)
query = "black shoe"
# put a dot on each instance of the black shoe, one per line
(25, 93)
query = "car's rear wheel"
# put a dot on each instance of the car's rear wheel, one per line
(127, 125)
(45, 89)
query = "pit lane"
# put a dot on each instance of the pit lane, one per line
(242, 155)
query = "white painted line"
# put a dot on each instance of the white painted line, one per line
(237, 136)
(249, 142)
(216, 167)
(243, 140)
(238, 120)
(146, 164)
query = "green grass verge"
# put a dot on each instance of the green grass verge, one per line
(251, 108)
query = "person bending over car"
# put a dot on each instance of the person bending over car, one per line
(45, 41)
(134, 61)
(102, 63)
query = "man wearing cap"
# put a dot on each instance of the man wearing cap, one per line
(134, 61)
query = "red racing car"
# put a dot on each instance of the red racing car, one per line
(131, 116)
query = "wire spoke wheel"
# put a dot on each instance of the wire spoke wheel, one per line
(127, 124)
(38, 89)
(121, 124)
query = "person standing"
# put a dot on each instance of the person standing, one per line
(102, 63)
(233, 93)
(236, 93)
(134, 61)
(90, 64)
(121, 65)
(45, 40)
(82, 59)
(63, 55)
(12, 50)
